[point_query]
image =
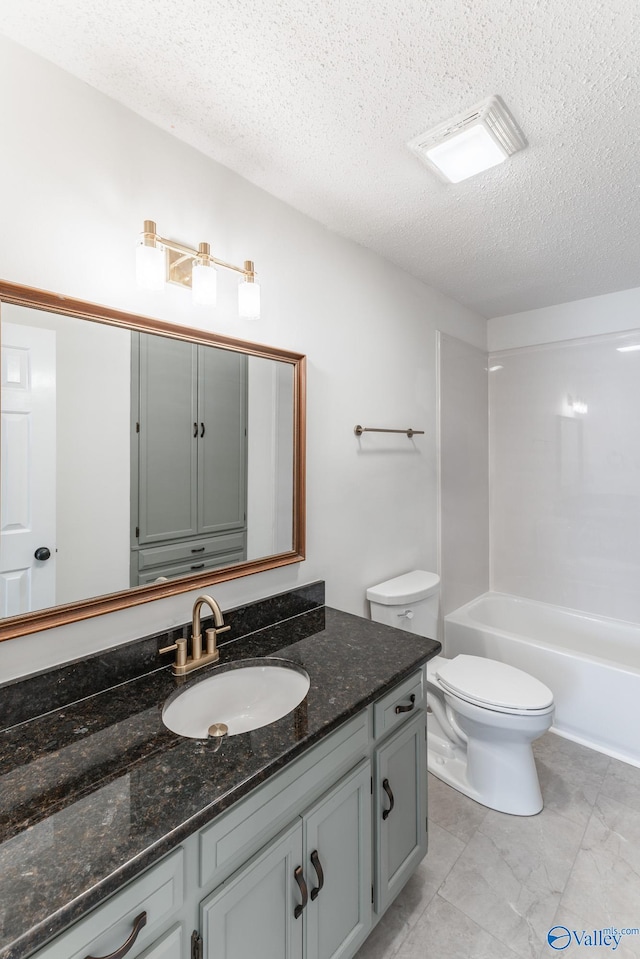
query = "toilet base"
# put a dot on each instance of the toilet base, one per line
(450, 763)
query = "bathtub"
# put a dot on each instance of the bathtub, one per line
(591, 664)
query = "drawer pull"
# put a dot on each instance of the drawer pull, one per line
(387, 788)
(299, 878)
(200, 549)
(315, 859)
(138, 923)
(198, 566)
(407, 709)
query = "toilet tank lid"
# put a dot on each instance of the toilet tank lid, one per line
(409, 588)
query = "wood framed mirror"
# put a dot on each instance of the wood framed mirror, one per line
(140, 459)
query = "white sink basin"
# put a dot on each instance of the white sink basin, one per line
(243, 699)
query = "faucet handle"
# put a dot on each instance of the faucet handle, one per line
(212, 649)
(180, 646)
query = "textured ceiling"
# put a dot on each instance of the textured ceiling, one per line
(314, 100)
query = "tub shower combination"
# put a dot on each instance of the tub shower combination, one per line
(591, 663)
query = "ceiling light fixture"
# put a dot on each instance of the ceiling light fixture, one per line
(476, 140)
(160, 261)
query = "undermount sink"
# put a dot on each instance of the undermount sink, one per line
(243, 698)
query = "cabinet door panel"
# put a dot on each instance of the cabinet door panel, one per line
(252, 914)
(222, 449)
(338, 831)
(167, 445)
(401, 834)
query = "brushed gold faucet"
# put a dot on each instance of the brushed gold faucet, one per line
(186, 664)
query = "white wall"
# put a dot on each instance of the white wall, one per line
(93, 401)
(79, 174)
(269, 457)
(589, 317)
(565, 479)
(464, 472)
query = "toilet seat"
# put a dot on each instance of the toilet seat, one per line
(495, 686)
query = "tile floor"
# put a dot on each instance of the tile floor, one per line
(493, 885)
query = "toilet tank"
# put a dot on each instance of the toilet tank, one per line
(408, 602)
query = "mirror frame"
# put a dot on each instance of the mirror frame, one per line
(18, 295)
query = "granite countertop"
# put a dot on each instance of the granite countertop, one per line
(94, 792)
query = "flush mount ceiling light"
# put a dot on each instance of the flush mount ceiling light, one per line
(475, 140)
(160, 261)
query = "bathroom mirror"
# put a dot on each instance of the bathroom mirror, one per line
(139, 459)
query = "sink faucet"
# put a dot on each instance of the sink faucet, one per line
(186, 664)
(196, 629)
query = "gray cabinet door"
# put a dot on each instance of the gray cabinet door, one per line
(400, 808)
(189, 454)
(222, 439)
(338, 868)
(253, 913)
(167, 460)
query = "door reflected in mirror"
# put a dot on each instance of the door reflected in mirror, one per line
(131, 458)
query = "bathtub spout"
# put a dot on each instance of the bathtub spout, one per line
(444, 718)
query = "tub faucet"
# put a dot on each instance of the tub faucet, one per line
(186, 664)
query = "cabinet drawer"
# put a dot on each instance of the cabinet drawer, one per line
(158, 893)
(398, 705)
(167, 946)
(232, 838)
(187, 569)
(192, 551)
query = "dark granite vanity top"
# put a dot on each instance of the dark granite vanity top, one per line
(93, 792)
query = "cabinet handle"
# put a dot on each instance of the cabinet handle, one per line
(198, 566)
(138, 924)
(299, 878)
(200, 549)
(407, 709)
(195, 431)
(201, 430)
(392, 802)
(315, 859)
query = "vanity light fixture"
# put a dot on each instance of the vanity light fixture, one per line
(473, 141)
(160, 261)
(575, 405)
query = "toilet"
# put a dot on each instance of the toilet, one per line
(483, 715)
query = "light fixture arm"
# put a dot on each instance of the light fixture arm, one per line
(150, 237)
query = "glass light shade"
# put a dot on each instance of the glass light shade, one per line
(204, 284)
(469, 152)
(249, 301)
(150, 269)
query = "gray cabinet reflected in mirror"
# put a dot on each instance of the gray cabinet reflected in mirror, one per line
(139, 459)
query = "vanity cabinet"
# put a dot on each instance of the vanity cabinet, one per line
(188, 457)
(308, 894)
(296, 868)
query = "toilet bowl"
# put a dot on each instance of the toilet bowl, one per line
(483, 715)
(483, 718)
